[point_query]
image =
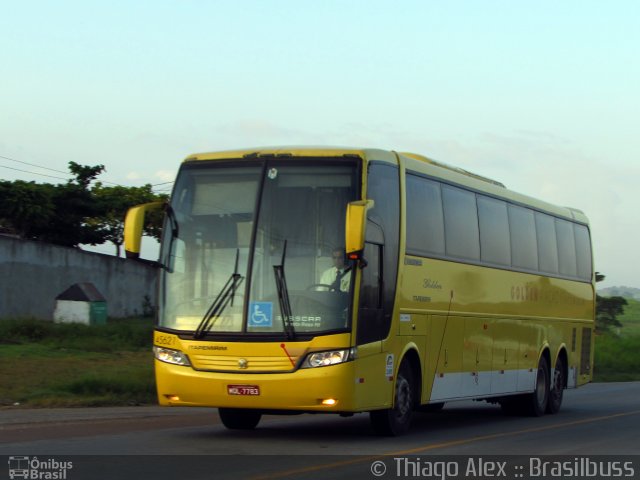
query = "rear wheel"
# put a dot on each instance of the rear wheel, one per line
(397, 420)
(239, 419)
(556, 392)
(533, 404)
(539, 399)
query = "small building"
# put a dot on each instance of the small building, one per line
(81, 303)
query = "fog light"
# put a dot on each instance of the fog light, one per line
(329, 402)
(173, 398)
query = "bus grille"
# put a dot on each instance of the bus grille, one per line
(241, 364)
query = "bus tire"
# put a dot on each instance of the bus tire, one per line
(536, 402)
(239, 419)
(558, 382)
(532, 404)
(397, 420)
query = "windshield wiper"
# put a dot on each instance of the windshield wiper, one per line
(283, 296)
(220, 303)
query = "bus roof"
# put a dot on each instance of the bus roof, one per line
(285, 151)
(412, 161)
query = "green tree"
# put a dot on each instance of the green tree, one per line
(74, 213)
(114, 201)
(73, 205)
(25, 208)
(607, 311)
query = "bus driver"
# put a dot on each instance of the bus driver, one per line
(337, 277)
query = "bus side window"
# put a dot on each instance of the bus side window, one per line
(371, 319)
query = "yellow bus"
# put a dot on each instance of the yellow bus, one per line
(335, 280)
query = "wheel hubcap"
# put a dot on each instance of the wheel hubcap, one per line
(404, 398)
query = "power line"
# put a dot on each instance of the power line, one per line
(33, 165)
(60, 178)
(32, 173)
(52, 170)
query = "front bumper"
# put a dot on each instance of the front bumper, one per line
(300, 390)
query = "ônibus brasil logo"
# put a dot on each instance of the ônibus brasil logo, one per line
(38, 469)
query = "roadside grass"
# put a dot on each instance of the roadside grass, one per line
(630, 319)
(43, 364)
(617, 354)
(617, 358)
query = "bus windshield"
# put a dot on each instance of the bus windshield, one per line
(228, 219)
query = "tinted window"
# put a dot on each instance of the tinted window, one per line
(444, 220)
(524, 250)
(460, 223)
(495, 246)
(547, 245)
(384, 189)
(425, 226)
(372, 325)
(566, 248)
(583, 251)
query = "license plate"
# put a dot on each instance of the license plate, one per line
(243, 389)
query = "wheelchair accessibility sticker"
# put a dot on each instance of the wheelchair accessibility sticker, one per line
(261, 314)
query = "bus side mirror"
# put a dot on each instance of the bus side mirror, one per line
(354, 227)
(133, 225)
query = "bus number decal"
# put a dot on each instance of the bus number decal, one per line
(165, 340)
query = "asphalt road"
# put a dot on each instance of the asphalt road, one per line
(152, 442)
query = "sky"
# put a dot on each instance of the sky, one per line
(542, 96)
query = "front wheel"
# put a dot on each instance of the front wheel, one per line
(239, 419)
(397, 420)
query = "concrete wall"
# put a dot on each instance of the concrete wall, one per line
(33, 274)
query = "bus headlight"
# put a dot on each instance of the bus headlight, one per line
(332, 357)
(167, 355)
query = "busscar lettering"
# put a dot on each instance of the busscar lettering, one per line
(303, 320)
